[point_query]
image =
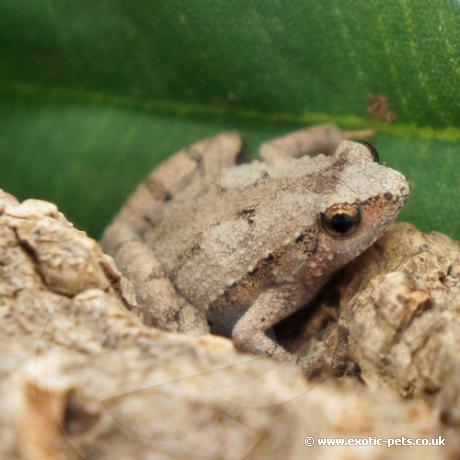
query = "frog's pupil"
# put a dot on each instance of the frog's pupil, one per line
(342, 223)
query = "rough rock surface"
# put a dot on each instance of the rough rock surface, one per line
(82, 377)
(400, 302)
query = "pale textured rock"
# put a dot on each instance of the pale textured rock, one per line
(82, 377)
(401, 305)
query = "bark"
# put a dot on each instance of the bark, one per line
(83, 377)
(400, 302)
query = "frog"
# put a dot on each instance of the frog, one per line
(212, 244)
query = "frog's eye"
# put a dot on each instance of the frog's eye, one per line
(341, 220)
(372, 149)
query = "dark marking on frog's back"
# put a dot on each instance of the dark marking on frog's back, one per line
(261, 277)
(183, 258)
(248, 214)
(300, 238)
(157, 189)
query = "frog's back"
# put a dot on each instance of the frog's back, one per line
(212, 234)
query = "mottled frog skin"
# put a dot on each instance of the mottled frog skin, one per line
(238, 247)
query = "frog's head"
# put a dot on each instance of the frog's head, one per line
(363, 202)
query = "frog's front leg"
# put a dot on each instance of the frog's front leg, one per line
(268, 309)
(308, 141)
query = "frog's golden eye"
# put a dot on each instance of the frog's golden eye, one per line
(341, 220)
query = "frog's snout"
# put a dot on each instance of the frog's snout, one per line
(398, 190)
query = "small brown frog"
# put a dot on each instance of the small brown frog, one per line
(237, 248)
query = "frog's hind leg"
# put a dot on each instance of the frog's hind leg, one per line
(199, 160)
(160, 304)
(308, 141)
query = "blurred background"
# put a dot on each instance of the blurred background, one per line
(94, 94)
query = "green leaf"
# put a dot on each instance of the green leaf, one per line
(95, 94)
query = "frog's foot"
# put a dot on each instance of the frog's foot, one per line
(161, 306)
(269, 308)
(309, 141)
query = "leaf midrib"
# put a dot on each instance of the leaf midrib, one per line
(81, 95)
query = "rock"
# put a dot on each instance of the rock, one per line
(400, 302)
(83, 377)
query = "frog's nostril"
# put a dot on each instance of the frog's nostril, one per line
(388, 195)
